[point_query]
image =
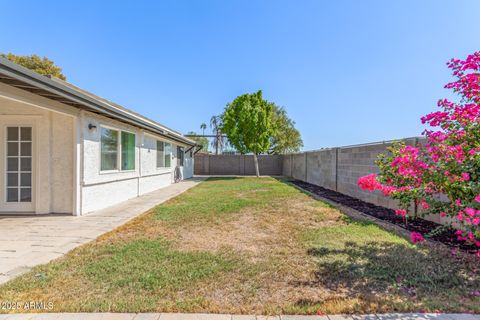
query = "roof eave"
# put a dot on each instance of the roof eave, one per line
(34, 81)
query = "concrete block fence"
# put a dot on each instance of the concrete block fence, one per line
(334, 168)
(340, 168)
(239, 165)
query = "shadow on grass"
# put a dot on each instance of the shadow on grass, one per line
(222, 178)
(380, 267)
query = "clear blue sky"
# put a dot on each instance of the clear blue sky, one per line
(346, 71)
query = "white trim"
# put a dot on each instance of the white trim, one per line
(134, 151)
(156, 155)
(119, 150)
(25, 207)
(100, 153)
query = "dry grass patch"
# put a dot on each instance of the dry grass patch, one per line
(248, 245)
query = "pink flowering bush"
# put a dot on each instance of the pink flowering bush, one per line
(441, 176)
(416, 237)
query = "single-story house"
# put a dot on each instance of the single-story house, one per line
(66, 150)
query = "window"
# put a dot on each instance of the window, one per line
(163, 154)
(168, 155)
(180, 156)
(19, 164)
(160, 154)
(117, 147)
(128, 151)
(109, 149)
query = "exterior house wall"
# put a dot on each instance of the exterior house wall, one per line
(67, 175)
(152, 178)
(52, 149)
(103, 189)
(62, 164)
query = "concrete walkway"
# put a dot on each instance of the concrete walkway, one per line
(27, 241)
(202, 316)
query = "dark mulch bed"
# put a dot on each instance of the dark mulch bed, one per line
(446, 235)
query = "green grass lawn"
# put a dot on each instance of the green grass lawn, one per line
(251, 245)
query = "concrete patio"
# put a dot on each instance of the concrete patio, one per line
(203, 316)
(27, 241)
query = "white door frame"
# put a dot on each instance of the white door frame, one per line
(17, 121)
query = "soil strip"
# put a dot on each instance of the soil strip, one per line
(446, 235)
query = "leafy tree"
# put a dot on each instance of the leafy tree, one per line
(43, 66)
(200, 140)
(247, 122)
(285, 137)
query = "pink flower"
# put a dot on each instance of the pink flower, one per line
(401, 212)
(477, 198)
(424, 205)
(369, 182)
(470, 212)
(416, 237)
(465, 176)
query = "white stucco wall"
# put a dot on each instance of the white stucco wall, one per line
(152, 178)
(68, 177)
(103, 189)
(61, 162)
(188, 165)
(52, 148)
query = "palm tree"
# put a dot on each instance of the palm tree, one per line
(218, 140)
(203, 126)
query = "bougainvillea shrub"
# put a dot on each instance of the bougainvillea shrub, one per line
(440, 177)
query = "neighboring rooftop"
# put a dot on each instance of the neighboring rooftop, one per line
(67, 93)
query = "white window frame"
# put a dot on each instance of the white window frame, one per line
(164, 154)
(119, 150)
(19, 207)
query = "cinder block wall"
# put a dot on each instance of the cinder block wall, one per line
(206, 164)
(340, 168)
(322, 168)
(299, 166)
